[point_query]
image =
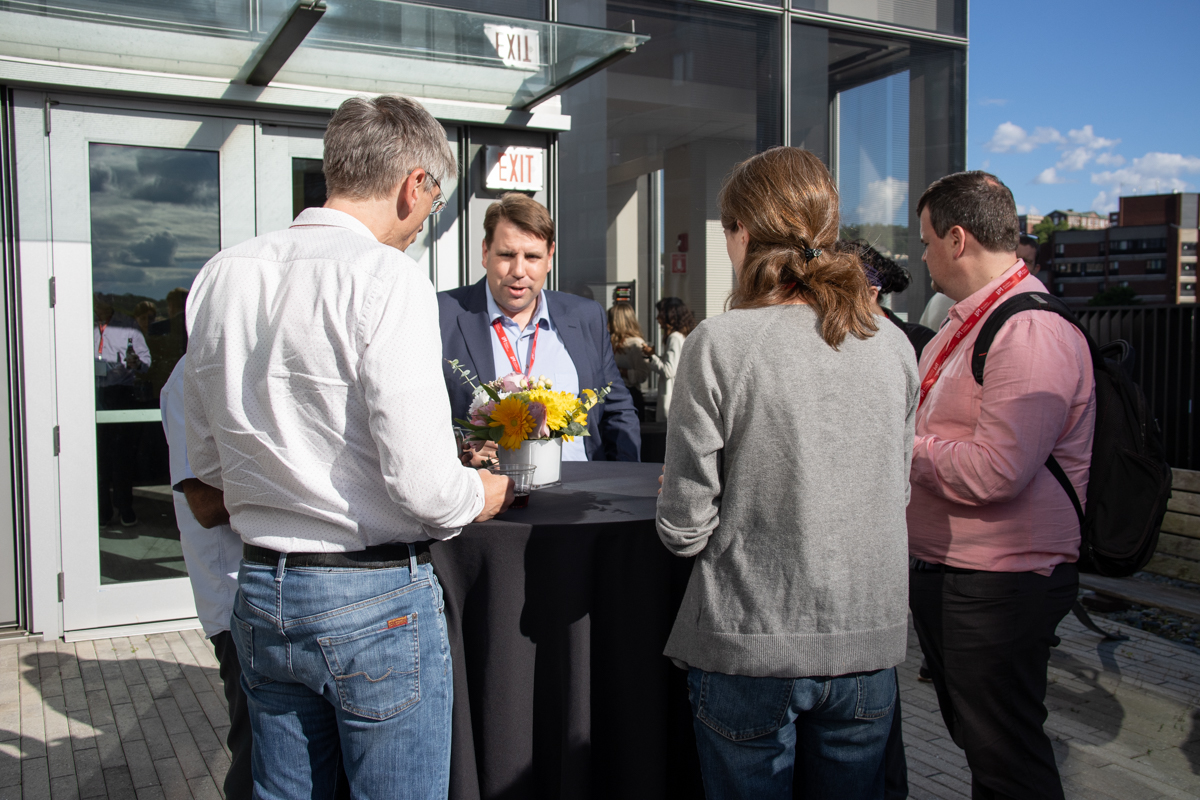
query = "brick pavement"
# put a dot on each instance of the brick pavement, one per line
(143, 717)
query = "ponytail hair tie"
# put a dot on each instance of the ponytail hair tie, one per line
(810, 254)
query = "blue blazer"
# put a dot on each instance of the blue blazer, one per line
(613, 427)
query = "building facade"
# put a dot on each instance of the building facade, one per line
(1151, 250)
(139, 138)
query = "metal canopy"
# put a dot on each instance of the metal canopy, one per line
(448, 54)
(466, 58)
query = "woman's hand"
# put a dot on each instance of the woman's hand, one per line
(647, 350)
(660, 478)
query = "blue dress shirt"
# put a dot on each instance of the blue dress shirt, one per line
(551, 359)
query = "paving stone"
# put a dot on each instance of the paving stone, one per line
(64, 787)
(35, 779)
(118, 781)
(171, 779)
(204, 788)
(89, 774)
(140, 763)
(190, 759)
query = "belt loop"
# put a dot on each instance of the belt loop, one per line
(280, 567)
(412, 562)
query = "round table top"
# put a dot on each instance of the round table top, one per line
(593, 492)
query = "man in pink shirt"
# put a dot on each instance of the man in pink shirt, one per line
(992, 535)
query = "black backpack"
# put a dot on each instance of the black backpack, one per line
(1130, 482)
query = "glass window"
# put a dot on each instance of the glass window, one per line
(887, 117)
(155, 221)
(651, 140)
(529, 9)
(943, 16)
(1155, 265)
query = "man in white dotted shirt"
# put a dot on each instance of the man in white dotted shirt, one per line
(315, 402)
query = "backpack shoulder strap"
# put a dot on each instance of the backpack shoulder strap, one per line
(1032, 301)
(1026, 301)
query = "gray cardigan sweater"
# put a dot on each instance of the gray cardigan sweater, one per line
(787, 477)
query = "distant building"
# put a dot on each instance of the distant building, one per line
(1151, 249)
(1028, 222)
(1084, 220)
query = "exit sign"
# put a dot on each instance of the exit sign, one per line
(519, 168)
(518, 48)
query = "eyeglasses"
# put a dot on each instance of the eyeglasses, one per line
(439, 202)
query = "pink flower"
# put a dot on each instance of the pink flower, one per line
(479, 416)
(541, 429)
(514, 382)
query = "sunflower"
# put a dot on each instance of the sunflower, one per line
(513, 415)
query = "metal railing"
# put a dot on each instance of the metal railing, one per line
(1164, 339)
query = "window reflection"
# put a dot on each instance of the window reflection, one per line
(155, 221)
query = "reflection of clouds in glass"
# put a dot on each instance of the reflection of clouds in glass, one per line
(873, 152)
(155, 217)
(181, 177)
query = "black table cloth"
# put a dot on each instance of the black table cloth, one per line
(557, 616)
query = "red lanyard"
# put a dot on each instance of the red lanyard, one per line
(100, 349)
(508, 348)
(935, 369)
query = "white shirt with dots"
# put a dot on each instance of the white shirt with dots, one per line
(314, 392)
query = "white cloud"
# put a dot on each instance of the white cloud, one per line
(881, 201)
(1086, 145)
(1153, 173)
(1110, 160)
(1023, 210)
(1011, 138)
(1048, 176)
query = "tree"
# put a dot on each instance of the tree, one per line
(1115, 296)
(1044, 229)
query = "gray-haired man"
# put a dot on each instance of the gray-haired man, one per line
(315, 401)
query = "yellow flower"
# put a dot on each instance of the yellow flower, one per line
(558, 406)
(589, 399)
(512, 414)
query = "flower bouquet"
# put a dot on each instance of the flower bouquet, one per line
(528, 419)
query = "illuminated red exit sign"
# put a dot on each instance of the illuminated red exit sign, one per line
(520, 168)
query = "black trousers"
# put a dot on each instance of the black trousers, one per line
(239, 785)
(987, 639)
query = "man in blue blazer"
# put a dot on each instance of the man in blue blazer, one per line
(508, 320)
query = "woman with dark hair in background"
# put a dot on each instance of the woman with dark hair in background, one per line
(676, 321)
(627, 344)
(887, 277)
(786, 477)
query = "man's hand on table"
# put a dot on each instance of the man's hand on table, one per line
(476, 453)
(497, 495)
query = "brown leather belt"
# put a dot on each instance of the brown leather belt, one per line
(381, 556)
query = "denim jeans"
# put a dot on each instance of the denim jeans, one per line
(358, 657)
(749, 732)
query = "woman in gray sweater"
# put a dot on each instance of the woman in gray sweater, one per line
(787, 478)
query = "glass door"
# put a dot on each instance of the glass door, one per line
(139, 203)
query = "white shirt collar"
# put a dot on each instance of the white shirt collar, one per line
(542, 313)
(331, 217)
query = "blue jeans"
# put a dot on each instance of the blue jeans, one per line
(749, 730)
(358, 657)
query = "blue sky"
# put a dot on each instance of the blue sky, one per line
(1073, 104)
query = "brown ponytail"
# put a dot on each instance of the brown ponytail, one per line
(786, 201)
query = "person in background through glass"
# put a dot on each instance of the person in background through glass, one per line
(676, 321)
(627, 342)
(786, 477)
(121, 358)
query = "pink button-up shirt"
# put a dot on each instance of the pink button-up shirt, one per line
(982, 497)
